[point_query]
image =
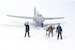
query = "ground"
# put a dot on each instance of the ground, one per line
(12, 37)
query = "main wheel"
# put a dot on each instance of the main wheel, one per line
(41, 24)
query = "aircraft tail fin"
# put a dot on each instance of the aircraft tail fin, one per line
(34, 10)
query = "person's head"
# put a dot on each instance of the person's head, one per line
(27, 23)
(58, 24)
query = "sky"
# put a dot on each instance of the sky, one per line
(46, 7)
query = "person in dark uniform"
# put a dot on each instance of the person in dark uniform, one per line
(59, 31)
(27, 29)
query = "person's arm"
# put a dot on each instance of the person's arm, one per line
(61, 28)
(24, 23)
(29, 27)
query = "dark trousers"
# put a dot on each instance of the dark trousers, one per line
(59, 34)
(26, 33)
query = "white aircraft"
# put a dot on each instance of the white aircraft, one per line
(37, 18)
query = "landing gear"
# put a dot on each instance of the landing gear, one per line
(41, 24)
(36, 24)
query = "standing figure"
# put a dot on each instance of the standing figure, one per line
(59, 31)
(27, 29)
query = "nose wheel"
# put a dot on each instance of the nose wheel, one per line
(36, 24)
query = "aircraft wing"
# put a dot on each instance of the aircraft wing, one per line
(26, 17)
(54, 18)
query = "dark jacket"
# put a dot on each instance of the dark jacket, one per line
(27, 27)
(59, 29)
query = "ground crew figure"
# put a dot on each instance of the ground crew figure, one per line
(59, 31)
(27, 29)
